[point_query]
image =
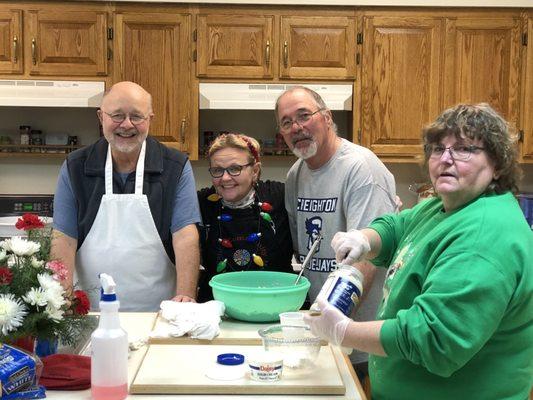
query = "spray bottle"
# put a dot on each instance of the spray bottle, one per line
(109, 344)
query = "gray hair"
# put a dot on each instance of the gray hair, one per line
(479, 122)
(318, 100)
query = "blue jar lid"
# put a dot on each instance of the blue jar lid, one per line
(230, 359)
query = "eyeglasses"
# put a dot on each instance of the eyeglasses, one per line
(300, 119)
(233, 170)
(459, 152)
(118, 118)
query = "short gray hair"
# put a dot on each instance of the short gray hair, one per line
(318, 100)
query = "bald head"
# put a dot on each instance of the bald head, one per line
(126, 91)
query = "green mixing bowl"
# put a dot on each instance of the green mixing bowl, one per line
(259, 296)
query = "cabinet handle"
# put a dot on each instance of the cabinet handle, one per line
(267, 52)
(182, 130)
(33, 51)
(285, 54)
(15, 49)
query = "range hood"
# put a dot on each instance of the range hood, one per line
(232, 96)
(30, 93)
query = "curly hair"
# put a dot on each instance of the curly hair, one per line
(479, 122)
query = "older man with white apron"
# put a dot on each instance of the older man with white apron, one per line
(106, 222)
(124, 243)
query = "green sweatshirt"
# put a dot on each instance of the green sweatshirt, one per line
(458, 302)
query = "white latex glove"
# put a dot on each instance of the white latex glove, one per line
(330, 324)
(350, 247)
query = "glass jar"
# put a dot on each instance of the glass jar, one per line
(36, 140)
(24, 131)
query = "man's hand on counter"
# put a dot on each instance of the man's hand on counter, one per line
(183, 299)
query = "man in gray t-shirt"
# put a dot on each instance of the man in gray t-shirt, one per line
(334, 186)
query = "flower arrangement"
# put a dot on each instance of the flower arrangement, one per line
(33, 301)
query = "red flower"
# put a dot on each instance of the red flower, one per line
(29, 221)
(6, 276)
(82, 304)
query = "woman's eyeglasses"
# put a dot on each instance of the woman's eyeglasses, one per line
(286, 124)
(233, 170)
(459, 152)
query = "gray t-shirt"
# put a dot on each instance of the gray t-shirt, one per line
(353, 188)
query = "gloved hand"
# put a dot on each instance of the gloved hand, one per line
(350, 246)
(330, 324)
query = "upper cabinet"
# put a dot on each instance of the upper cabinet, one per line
(53, 42)
(415, 64)
(235, 46)
(483, 63)
(317, 47)
(10, 41)
(527, 104)
(401, 81)
(275, 45)
(153, 50)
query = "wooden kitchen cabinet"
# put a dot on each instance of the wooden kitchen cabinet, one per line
(402, 71)
(275, 45)
(53, 41)
(527, 105)
(235, 46)
(153, 50)
(483, 62)
(317, 47)
(10, 41)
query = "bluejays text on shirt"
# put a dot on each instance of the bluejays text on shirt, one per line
(320, 264)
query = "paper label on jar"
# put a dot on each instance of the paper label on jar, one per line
(344, 295)
(266, 372)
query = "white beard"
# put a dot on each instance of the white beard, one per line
(306, 152)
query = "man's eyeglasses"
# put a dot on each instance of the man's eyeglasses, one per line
(286, 124)
(233, 170)
(118, 118)
(459, 152)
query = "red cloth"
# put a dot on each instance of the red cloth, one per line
(66, 372)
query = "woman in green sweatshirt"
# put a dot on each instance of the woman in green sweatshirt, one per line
(456, 319)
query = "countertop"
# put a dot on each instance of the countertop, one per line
(138, 326)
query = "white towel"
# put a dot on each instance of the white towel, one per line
(199, 320)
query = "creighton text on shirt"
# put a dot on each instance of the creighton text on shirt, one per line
(328, 205)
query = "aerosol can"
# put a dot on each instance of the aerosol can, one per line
(109, 345)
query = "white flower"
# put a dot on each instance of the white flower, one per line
(12, 312)
(3, 253)
(55, 298)
(36, 297)
(36, 263)
(53, 291)
(54, 313)
(20, 246)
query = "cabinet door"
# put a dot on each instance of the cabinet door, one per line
(483, 63)
(317, 47)
(11, 42)
(401, 82)
(235, 46)
(527, 109)
(152, 49)
(67, 43)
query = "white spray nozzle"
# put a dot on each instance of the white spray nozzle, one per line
(108, 287)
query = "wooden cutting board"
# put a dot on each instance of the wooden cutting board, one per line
(181, 369)
(231, 332)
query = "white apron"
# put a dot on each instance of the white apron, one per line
(124, 242)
